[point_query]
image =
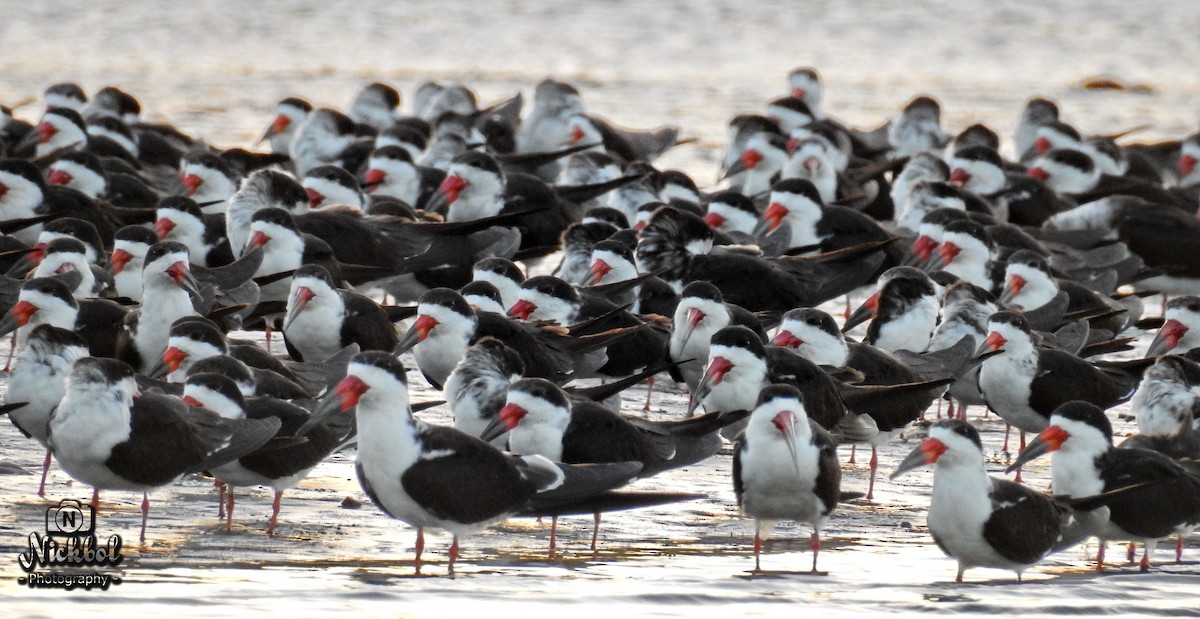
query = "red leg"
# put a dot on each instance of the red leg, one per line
(757, 550)
(962, 411)
(1145, 564)
(649, 392)
(145, 515)
(960, 575)
(1100, 557)
(1132, 551)
(45, 472)
(815, 545)
(453, 553)
(1018, 477)
(267, 330)
(874, 468)
(950, 409)
(274, 513)
(1178, 548)
(1007, 430)
(220, 497)
(12, 350)
(851, 460)
(553, 536)
(847, 312)
(420, 547)
(229, 509)
(596, 532)
(95, 498)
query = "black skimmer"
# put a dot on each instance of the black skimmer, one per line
(1038, 111)
(446, 325)
(968, 253)
(194, 339)
(1085, 463)
(814, 334)
(38, 381)
(253, 381)
(128, 258)
(276, 467)
(680, 242)
(180, 219)
(815, 227)
(375, 106)
(328, 185)
(1189, 156)
(502, 273)
(47, 300)
(789, 113)
(596, 311)
(22, 190)
(83, 172)
(476, 188)
(804, 84)
(290, 113)
(917, 128)
(209, 180)
(1074, 174)
(66, 254)
(65, 94)
(391, 172)
(322, 319)
(700, 313)
(965, 312)
(167, 289)
(1180, 331)
(731, 213)
(477, 388)
(106, 435)
(1167, 397)
(484, 297)
(1163, 236)
(978, 520)
(320, 139)
(813, 160)
(785, 467)
(438, 477)
(59, 130)
(544, 128)
(1025, 384)
(1030, 285)
(759, 164)
(598, 224)
(903, 313)
(59, 228)
(921, 168)
(262, 189)
(739, 365)
(540, 418)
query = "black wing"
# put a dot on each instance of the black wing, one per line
(598, 435)
(289, 460)
(821, 398)
(162, 445)
(473, 482)
(367, 324)
(1024, 524)
(829, 470)
(1170, 498)
(1063, 377)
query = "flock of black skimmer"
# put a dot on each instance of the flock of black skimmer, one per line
(132, 251)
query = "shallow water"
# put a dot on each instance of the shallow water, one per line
(217, 68)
